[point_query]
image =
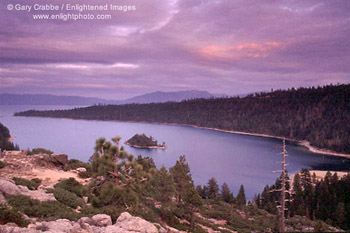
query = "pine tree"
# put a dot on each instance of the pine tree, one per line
(340, 214)
(213, 188)
(241, 199)
(192, 202)
(182, 177)
(226, 194)
(202, 191)
(297, 207)
(162, 186)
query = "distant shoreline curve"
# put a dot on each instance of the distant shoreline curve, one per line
(303, 143)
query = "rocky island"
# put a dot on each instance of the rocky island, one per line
(142, 141)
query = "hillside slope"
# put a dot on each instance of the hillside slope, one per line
(319, 115)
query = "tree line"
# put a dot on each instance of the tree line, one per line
(5, 143)
(327, 199)
(319, 115)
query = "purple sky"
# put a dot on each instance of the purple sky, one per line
(221, 46)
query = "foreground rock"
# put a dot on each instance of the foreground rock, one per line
(100, 223)
(8, 187)
(51, 161)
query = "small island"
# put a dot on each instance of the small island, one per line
(142, 141)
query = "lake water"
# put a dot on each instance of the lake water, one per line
(234, 159)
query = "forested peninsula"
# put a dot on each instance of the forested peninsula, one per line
(5, 139)
(320, 115)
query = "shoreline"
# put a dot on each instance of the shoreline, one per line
(303, 143)
(147, 147)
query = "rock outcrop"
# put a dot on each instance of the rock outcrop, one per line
(100, 223)
(128, 223)
(54, 160)
(101, 220)
(8, 187)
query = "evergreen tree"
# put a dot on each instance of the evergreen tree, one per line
(213, 188)
(297, 205)
(162, 186)
(241, 199)
(226, 194)
(5, 136)
(192, 202)
(202, 191)
(146, 162)
(340, 214)
(182, 177)
(308, 191)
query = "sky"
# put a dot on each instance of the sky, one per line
(221, 46)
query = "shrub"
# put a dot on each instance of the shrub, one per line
(44, 210)
(112, 211)
(2, 164)
(36, 181)
(319, 227)
(30, 184)
(111, 194)
(71, 185)
(40, 151)
(67, 198)
(90, 211)
(146, 213)
(8, 215)
(73, 164)
(85, 175)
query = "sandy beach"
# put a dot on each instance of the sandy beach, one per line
(321, 174)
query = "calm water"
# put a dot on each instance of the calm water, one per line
(230, 158)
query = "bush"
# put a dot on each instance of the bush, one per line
(85, 175)
(71, 185)
(90, 211)
(67, 198)
(111, 194)
(45, 210)
(32, 184)
(2, 164)
(112, 211)
(8, 215)
(40, 151)
(73, 164)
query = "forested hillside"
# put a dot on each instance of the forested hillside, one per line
(5, 144)
(115, 182)
(327, 199)
(319, 115)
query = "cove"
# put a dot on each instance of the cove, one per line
(231, 158)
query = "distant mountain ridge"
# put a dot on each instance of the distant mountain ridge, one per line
(154, 97)
(319, 115)
(161, 97)
(46, 99)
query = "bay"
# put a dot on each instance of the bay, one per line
(231, 158)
